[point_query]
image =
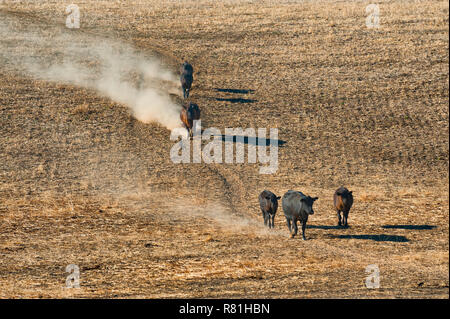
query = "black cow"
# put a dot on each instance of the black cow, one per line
(186, 78)
(268, 202)
(297, 206)
(343, 201)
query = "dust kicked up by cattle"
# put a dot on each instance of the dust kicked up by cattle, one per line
(107, 66)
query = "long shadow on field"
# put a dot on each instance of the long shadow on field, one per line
(411, 227)
(325, 227)
(381, 237)
(234, 91)
(252, 140)
(236, 100)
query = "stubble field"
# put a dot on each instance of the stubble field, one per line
(83, 182)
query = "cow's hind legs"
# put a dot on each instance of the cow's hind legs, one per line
(288, 222)
(345, 219)
(303, 230)
(339, 217)
(266, 219)
(294, 221)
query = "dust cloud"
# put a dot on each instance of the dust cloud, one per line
(112, 68)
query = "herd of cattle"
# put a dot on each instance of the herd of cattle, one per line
(190, 112)
(296, 205)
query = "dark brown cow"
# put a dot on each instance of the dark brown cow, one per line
(268, 202)
(297, 207)
(188, 115)
(343, 201)
(186, 78)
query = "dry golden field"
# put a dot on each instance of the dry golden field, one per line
(82, 181)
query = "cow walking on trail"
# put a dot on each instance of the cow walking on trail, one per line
(343, 201)
(268, 202)
(186, 78)
(189, 114)
(297, 207)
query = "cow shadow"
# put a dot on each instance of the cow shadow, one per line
(325, 227)
(410, 227)
(236, 91)
(381, 237)
(252, 141)
(235, 100)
